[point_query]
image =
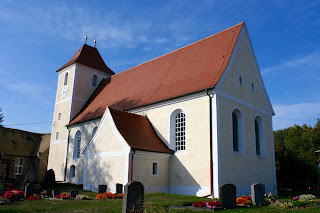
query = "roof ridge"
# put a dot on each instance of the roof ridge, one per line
(176, 50)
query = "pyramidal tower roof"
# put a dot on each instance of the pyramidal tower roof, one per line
(90, 57)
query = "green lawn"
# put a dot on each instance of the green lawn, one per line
(154, 202)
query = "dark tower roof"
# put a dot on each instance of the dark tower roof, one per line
(88, 56)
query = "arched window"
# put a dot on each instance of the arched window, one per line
(72, 171)
(237, 132)
(259, 138)
(94, 131)
(77, 145)
(65, 79)
(94, 81)
(240, 80)
(178, 130)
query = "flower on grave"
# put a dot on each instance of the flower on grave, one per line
(109, 195)
(296, 198)
(243, 199)
(199, 204)
(34, 197)
(82, 197)
(213, 204)
(63, 196)
(13, 194)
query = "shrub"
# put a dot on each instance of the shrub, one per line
(306, 197)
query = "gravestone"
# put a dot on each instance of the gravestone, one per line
(28, 190)
(133, 197)
(55, 192)
(119, 188)
(102, 188)
(228, 195)
(49, 181)
(257, 193)
(73, 194)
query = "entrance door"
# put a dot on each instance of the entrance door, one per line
(5, 170)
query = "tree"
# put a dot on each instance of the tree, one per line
(1, 117)
(296, 160)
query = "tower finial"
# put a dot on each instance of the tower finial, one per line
(86, 37)
(95, 40)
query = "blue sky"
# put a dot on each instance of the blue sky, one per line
(38, 37)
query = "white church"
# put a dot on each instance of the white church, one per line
(186, 122)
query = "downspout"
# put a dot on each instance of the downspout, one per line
(211, 157)
(131, 164)
(65, 169)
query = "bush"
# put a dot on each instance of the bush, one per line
(306, 197)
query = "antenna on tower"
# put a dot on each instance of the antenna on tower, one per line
(86, 37)
(95, 40)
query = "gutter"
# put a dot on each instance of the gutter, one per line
(131, 165)
(211, 157)
(65, 169)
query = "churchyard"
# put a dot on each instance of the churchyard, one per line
(86, 201)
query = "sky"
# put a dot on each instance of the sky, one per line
(38, 37)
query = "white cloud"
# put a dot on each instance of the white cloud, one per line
(309, 64)
(288, 115)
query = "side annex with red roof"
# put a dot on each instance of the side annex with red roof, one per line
(186, 122)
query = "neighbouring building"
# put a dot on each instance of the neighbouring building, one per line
(23, 155)
(186, 122)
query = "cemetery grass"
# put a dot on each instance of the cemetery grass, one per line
(154, 202)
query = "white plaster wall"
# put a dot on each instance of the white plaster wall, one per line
(247, 168)
(142, 171)
(189, 170)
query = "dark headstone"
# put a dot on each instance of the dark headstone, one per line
(257, 193)
(119, 188)
(49, 181)
(28, 190)
(73, 194)
(228, 195)
(102, 188)
(133, 197)
(55, 192)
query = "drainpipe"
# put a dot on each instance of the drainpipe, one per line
(131, 166)
(211, 157)
(65, 169)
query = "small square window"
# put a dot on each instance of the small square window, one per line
(154, 168)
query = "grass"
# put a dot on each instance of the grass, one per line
(154, 202)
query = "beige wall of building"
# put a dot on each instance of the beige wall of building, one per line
(190, 169)
(245, 167)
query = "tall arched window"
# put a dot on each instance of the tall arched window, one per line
(72, 171)
(94, 131)
(94, 81)
(178, 130)
(77, 145)
(65, 79)
(237, 132)
(259, 138)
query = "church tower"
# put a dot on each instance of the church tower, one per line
(77, 80)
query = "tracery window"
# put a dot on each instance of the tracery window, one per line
(72, 171)
(77, 145)
(237, 132)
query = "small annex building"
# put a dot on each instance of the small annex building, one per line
(186, 122)
(23, 155)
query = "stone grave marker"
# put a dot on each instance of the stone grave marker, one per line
(102, 188)
(119, 188)
(49, 181)
(28, 190)
(228, 195)
(73, 194)
(55, 192)
(133, 197)
(257, 193)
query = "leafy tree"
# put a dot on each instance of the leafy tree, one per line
(296, 160)
(1, 117)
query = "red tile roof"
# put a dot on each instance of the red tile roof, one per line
(138, 132)
(88, 56)
(192, 68)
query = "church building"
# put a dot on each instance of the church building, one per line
(186, 122)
